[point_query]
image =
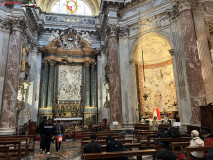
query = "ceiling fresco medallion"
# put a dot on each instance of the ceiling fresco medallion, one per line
(72, 6)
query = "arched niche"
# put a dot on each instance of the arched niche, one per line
(157, 89)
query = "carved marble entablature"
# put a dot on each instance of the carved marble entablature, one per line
(69, 20)
(69, 42)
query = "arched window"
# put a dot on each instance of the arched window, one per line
(83, 8)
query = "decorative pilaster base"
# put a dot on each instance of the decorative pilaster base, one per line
(116, 127)
(7, 131)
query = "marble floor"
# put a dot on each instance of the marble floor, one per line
(70, 150)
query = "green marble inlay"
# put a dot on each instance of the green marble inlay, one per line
(44, 87)
(87, 86)
(50, 86)
(93, 89)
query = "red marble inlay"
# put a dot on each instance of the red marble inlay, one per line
(114, 82)
(8, 118)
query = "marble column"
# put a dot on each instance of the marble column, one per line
(87, 84)
(8, 117)
(50, 91)
(114, 80)
(93, 86)
(193, 67)
(44, 85)
(4, 42)
(204, 54)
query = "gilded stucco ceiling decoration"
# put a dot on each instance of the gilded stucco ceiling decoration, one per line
(155, 49)
(46, 5)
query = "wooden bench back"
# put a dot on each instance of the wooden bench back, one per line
(181, 139)
(103, 142)
(119, 154)
(141, 126)
(191, 149)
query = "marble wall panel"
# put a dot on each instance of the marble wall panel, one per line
(4, 41)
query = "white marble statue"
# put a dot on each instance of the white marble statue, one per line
(85, 36)
(54, 35)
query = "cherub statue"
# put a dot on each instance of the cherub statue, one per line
(54, 35)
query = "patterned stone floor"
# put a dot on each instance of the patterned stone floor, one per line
(70, 150)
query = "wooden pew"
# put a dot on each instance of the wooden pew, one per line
(179, 144)
(141, 126)
(149, 138)
(23, 147)
(181, 139)
(142, 133)
(15, 145)
(126, 145)
(191, 149)
(104, 137)
(4, 152)
(31, 141)
(103, 132)
(103, 142)
(120, 154)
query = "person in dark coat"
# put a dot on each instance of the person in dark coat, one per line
(40, 129)
(114, 146)
(92, 147)
(165, 155)
(48, 133)
(59, 129)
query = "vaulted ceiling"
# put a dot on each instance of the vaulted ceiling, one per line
(46, 5)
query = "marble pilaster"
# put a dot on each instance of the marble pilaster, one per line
(4, 42)
(8, 117)
(204, 55)
(44, 85)
(114, 82)
(87, 84)
(193, 67)
(50, 91)
(125, 76)
(93, 87)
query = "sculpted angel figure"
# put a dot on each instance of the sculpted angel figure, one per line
(85, 36)
(54, 35)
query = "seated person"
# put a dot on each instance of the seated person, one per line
(113, 146)
(163, 134)
(92, 147)
(173, 132)
(208, 141)
(165, 155)
(196, 141)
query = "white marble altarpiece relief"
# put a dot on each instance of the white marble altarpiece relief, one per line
(69, 82)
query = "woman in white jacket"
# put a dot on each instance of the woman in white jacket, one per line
(196, 141)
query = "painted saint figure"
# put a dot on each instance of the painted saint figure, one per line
(156, 113)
